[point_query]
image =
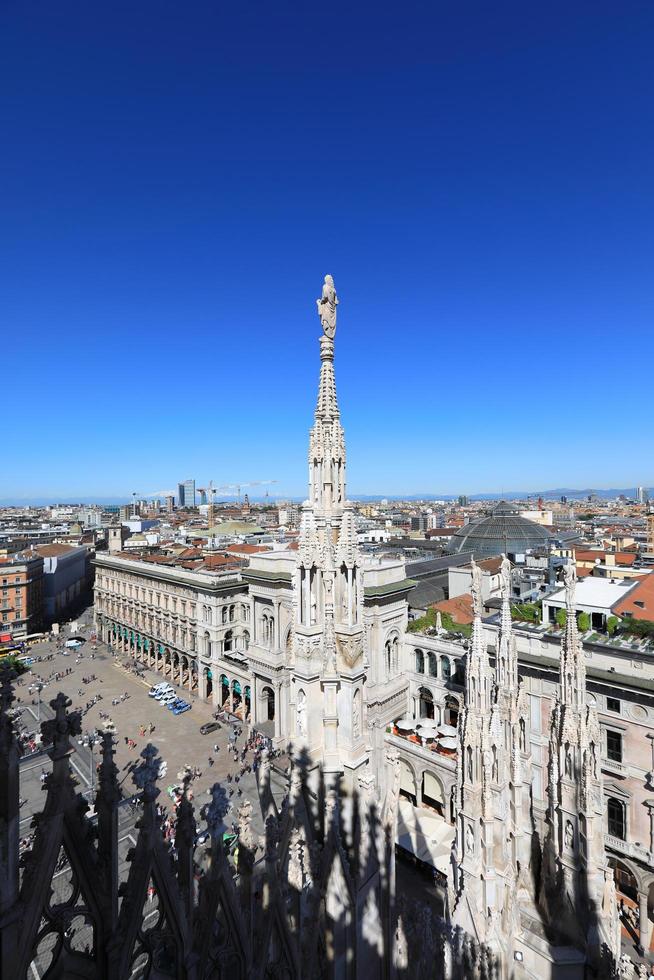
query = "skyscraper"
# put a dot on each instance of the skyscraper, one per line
(186, 493)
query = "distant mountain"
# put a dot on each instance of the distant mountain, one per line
(570, 493)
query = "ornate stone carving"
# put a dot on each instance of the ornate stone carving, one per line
(350, 648)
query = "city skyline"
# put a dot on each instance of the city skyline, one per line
(489, 241)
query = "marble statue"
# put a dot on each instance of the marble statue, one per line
(327, 308)
(475, 588)
(302, 714)
(569, 835)
(506, 576)
(356, 716)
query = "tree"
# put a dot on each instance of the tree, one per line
(561, 618)
(529, 612)
(583, 622)
(612, 624)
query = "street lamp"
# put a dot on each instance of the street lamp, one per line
(38, 687)
(90, 741)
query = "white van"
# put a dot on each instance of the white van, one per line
(160, 688)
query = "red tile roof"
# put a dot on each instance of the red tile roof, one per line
(246, 549)
(53, 550)
(642, 592)
(460, 608)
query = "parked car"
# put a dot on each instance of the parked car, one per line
(209, 727)
(177, 703)
(180, 711)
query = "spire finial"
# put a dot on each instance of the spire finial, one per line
(327, 308)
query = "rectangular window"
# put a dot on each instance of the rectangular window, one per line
(613, 704)
(614, 746)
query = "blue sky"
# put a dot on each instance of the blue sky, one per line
(176, 179)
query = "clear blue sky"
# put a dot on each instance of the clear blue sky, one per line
(176, 179)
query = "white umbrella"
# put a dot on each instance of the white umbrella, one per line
(406, 724)
(447, 729)
(448, 743)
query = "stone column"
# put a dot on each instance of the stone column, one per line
(349, 573)
(643, 921)
(277, 640)
(278, 711)
(650, 809)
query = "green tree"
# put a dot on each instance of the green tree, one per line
(561, 618)
(529, 612)
(583, 622)
(612, 624)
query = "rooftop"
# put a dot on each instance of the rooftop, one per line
(598, 592)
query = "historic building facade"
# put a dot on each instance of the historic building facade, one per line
(193, 627)
(591, 802)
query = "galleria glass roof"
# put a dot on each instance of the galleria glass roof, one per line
(502, 532)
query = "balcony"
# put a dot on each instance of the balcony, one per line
(628, 848)
(428, 752)
(613, 767)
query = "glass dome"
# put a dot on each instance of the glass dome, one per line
(502, 532)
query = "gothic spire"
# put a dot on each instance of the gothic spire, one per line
(573, 668)
(326, 444)
(478, 677)
(506, 660)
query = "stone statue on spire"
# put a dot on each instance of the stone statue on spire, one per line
(475, 588)
(327, 308)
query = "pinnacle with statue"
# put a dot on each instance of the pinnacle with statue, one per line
(327, 308)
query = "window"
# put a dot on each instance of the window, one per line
(616, 818)
(637, 602)
(614, 746)
(446, 669)
(613, 704)
(420, 662)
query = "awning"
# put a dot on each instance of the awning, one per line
(425, 835)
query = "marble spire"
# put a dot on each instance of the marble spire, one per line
(327, 442)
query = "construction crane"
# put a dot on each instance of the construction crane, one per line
(210, 517)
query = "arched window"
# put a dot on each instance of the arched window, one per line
(391, 648)
(432, 665)
(232, 613)
(225, 614)
(616, 817)
(432, 792)
(420, 662)
(426, 703)
(451, 711)
(446, 668)
(625, 881)
(207, 644)
(228, 642)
